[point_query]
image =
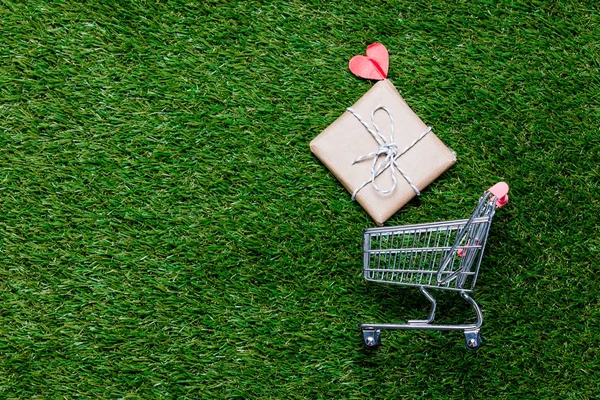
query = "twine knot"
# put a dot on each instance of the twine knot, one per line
(388, 149)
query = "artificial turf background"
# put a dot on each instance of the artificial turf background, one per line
(165, 231)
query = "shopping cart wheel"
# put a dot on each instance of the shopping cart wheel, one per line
(372, 338)
(473, 339)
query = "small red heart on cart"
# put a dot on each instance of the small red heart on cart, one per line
(374, 65)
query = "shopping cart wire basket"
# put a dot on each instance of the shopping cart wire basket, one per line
(440, 255)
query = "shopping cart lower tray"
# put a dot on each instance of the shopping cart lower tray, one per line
(440, 255)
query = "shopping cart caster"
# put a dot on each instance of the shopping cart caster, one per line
(473, 340)
(372, 338)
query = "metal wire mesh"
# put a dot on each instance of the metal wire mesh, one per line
(443, 255)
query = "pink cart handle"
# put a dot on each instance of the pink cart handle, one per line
(500, 191)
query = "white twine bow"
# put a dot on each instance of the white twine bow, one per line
(387, 148)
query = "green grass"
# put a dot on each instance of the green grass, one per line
(166, 233)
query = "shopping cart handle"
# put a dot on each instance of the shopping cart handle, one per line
(500, 191)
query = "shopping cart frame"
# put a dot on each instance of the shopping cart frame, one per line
(454, 271)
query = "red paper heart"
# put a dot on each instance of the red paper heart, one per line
(374, 65)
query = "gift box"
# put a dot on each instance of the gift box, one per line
(382, 152)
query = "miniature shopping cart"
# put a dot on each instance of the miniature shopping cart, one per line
(439, 255)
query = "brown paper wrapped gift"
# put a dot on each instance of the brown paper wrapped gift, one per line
(420, 157)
